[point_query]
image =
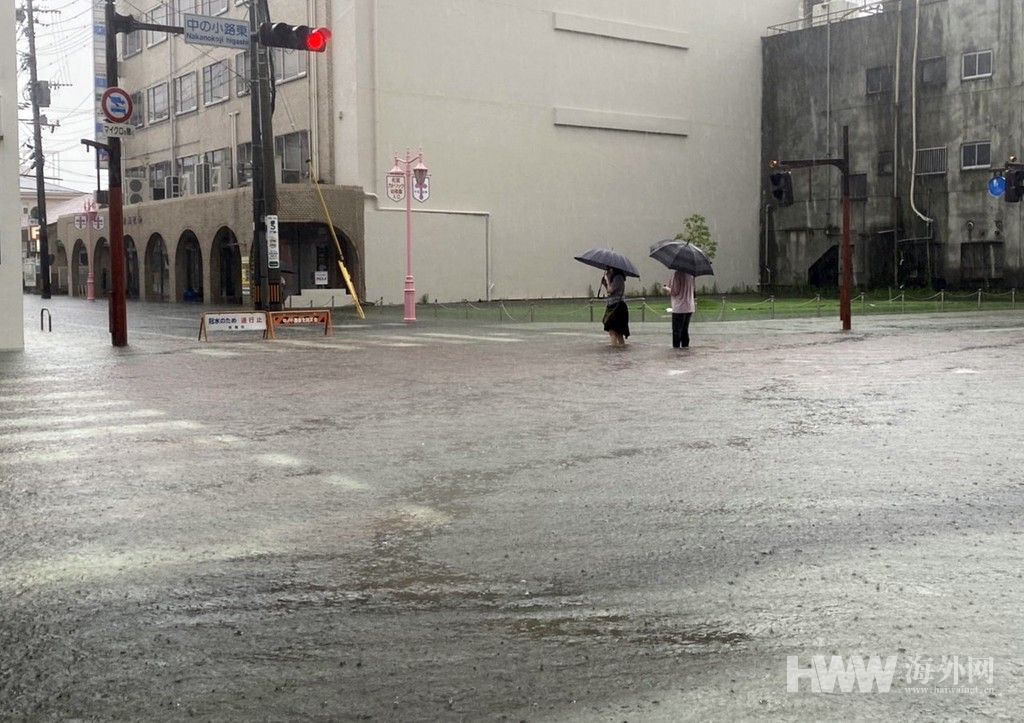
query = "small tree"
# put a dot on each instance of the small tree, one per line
(696, 231)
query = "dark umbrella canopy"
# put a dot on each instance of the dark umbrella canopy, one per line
(682, 256)
(603, 258)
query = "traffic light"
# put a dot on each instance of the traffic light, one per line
(295, 37)
(781, 187)
(1014, 185)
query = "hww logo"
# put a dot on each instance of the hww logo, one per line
(855, 674)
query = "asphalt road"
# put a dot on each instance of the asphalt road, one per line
(472, 521)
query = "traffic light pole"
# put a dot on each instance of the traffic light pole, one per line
(115, 207)
(846, 254)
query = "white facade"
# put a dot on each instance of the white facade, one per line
(11, 321)
(550, 126)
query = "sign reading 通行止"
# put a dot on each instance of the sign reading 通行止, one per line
(230, 321)
(220, 32)
(273, 243)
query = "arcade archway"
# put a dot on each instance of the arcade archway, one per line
(158, 270)
(188, 268)
(226, 268)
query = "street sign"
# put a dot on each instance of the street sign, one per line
(421, 191)
(117, 130)
(320, 278)
(396, 187)
(219, 32)
(273, 243)
(116, 104)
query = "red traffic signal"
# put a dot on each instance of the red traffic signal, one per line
(294, 37)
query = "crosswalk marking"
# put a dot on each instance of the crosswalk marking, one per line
(65, 419)
(119, 430)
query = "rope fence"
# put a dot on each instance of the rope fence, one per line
(710, 308)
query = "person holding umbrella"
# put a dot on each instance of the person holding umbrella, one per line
(688, 261)
(680, 291)
(616, 313)
(616, 267)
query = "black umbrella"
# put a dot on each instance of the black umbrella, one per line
(603, 258)
(682, 256)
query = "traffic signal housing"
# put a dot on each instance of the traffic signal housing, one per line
(1014, 185)
(780, 184)
(294, 37)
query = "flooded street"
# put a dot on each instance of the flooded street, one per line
(486, 521)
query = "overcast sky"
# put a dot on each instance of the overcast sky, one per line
(64, 45)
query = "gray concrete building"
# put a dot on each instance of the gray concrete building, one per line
(11, 332)
(932, 92)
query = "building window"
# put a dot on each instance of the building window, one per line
(288, 64)
(185, 99)
(242, 74)
(244, 164)
(157, 173)
(977, 65)
(291, 153)
(156, 103)
(879, 80)
(858, 186)
(885, 164)
(976, 155)
(931, 161)
(219, 164)
(933, 72)
(215, 83)
(131, 44)
(184, 6)
(138, 118)
(157, 16)
(185, 164)
(212, 7)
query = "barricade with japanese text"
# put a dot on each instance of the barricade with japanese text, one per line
(234, 321)
(306, 317)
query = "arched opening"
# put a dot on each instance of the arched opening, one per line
(131, 268)
(307, 248)
(226, 268)
(59, 270)
(79, 268)
(158, 270)
(101, 268)
(188, 268)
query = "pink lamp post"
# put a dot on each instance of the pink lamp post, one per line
(407, 178)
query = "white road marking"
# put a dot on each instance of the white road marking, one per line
(120, 430)
(83, 405)
(677, 372)
(46, 421)
(325, 344)
(338, 480)
(51, 396)
(468, 337)
(570, 333)
(966, 371)
(216, 352)
(280, 460)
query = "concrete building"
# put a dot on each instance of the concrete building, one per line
(187, 168)
(59, 200)
(550, 126)
(11, 323)
(932, 92)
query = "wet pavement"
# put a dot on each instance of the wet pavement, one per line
(509, 521)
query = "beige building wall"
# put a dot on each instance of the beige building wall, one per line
(551, 126)
(11, 315)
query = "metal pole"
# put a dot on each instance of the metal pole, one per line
(115, 209)
(844, 294)
(979, 299)
(258, 252)
(410, 282)
(44, 241)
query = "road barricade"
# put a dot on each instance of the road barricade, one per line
(234, 321)
(306, 317)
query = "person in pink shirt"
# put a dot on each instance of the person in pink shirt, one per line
(680, 291)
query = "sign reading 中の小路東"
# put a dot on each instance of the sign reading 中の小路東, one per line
(219, 32)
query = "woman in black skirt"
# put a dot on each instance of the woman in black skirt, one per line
(616, 315)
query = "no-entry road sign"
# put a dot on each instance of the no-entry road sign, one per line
(117, 105)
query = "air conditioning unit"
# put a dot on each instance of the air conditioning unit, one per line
(202, 177)
(172, 187)
(138, 191)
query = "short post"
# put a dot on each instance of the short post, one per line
(903, 302)
(1013, 298)
(979, 299)
(532, 307)
(591, 305)
(817, 304)
(643, 311)
(863, 303)
(771, 300)
(49, 318)
(722, 315)
(435, 310)
(467, 311)
(942, 300)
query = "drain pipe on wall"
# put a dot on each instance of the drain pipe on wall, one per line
(913, 117)
(896, 147)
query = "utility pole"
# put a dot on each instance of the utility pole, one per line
(115, 205)
(44, 240)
